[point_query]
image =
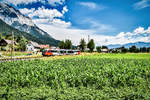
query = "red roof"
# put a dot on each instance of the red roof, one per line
(44, 46)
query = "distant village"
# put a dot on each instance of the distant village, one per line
(6, 45)
(30, 46)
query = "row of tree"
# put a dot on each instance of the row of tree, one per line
(90, 45)
(134, 49)
(67, 44)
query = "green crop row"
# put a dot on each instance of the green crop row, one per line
(82, 77)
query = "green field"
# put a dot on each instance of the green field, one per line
(84, 77)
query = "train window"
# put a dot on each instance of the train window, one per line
(62, 51)
(76, 51)
(53, 50)
(49, 51)
(70, 51)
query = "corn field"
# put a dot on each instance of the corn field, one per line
(89, 77)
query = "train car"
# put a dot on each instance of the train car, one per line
(62, 52)
(50, 52)
(69, 52)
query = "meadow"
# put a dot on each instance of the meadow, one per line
(16, 53)
(84, 77)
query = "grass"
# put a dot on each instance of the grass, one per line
(83, 77)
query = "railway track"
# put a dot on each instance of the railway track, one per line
(32, 58)
(19, 58)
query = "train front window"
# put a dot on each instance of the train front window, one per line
(44, 51)
(49, 51)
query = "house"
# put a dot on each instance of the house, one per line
(115, 50)
(104, 50)
(7, 44)
(33, 46)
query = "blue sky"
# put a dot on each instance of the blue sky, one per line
(106, 21)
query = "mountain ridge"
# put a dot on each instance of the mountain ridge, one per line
(17, 20)
(6, 29)
(137, 44)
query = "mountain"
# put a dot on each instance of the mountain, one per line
(6, 29)
(114, 46)
(24, 24)
(137, 44)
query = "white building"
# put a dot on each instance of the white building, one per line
(33, 46)
(104, 50)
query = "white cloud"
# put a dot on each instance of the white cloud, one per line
(26, 11)
(41, 21)
(46, 13)
(64, 9)
(90, 5)
(73, 34)
(139, 34)
(120, 35)
(139, 30)
(60, 23)
(128, 34)
(148, 30)
(142, 4)
(97, 26)
(47, 16)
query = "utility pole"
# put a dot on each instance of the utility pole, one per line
(88, 38)
(12, 48)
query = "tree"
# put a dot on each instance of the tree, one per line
(148, 49)
(65, 45)
(98, 49)
(22, 43)
(91, 45)
(68, 44)
(8, 37)
(18, 38)
(133, 49)
(124, 50)
(82, 45)
(62, 45)
(0, 36)
(144, 49)
(104, 47)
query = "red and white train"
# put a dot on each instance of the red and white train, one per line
(56, 52)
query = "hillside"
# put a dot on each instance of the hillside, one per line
(5, 29)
